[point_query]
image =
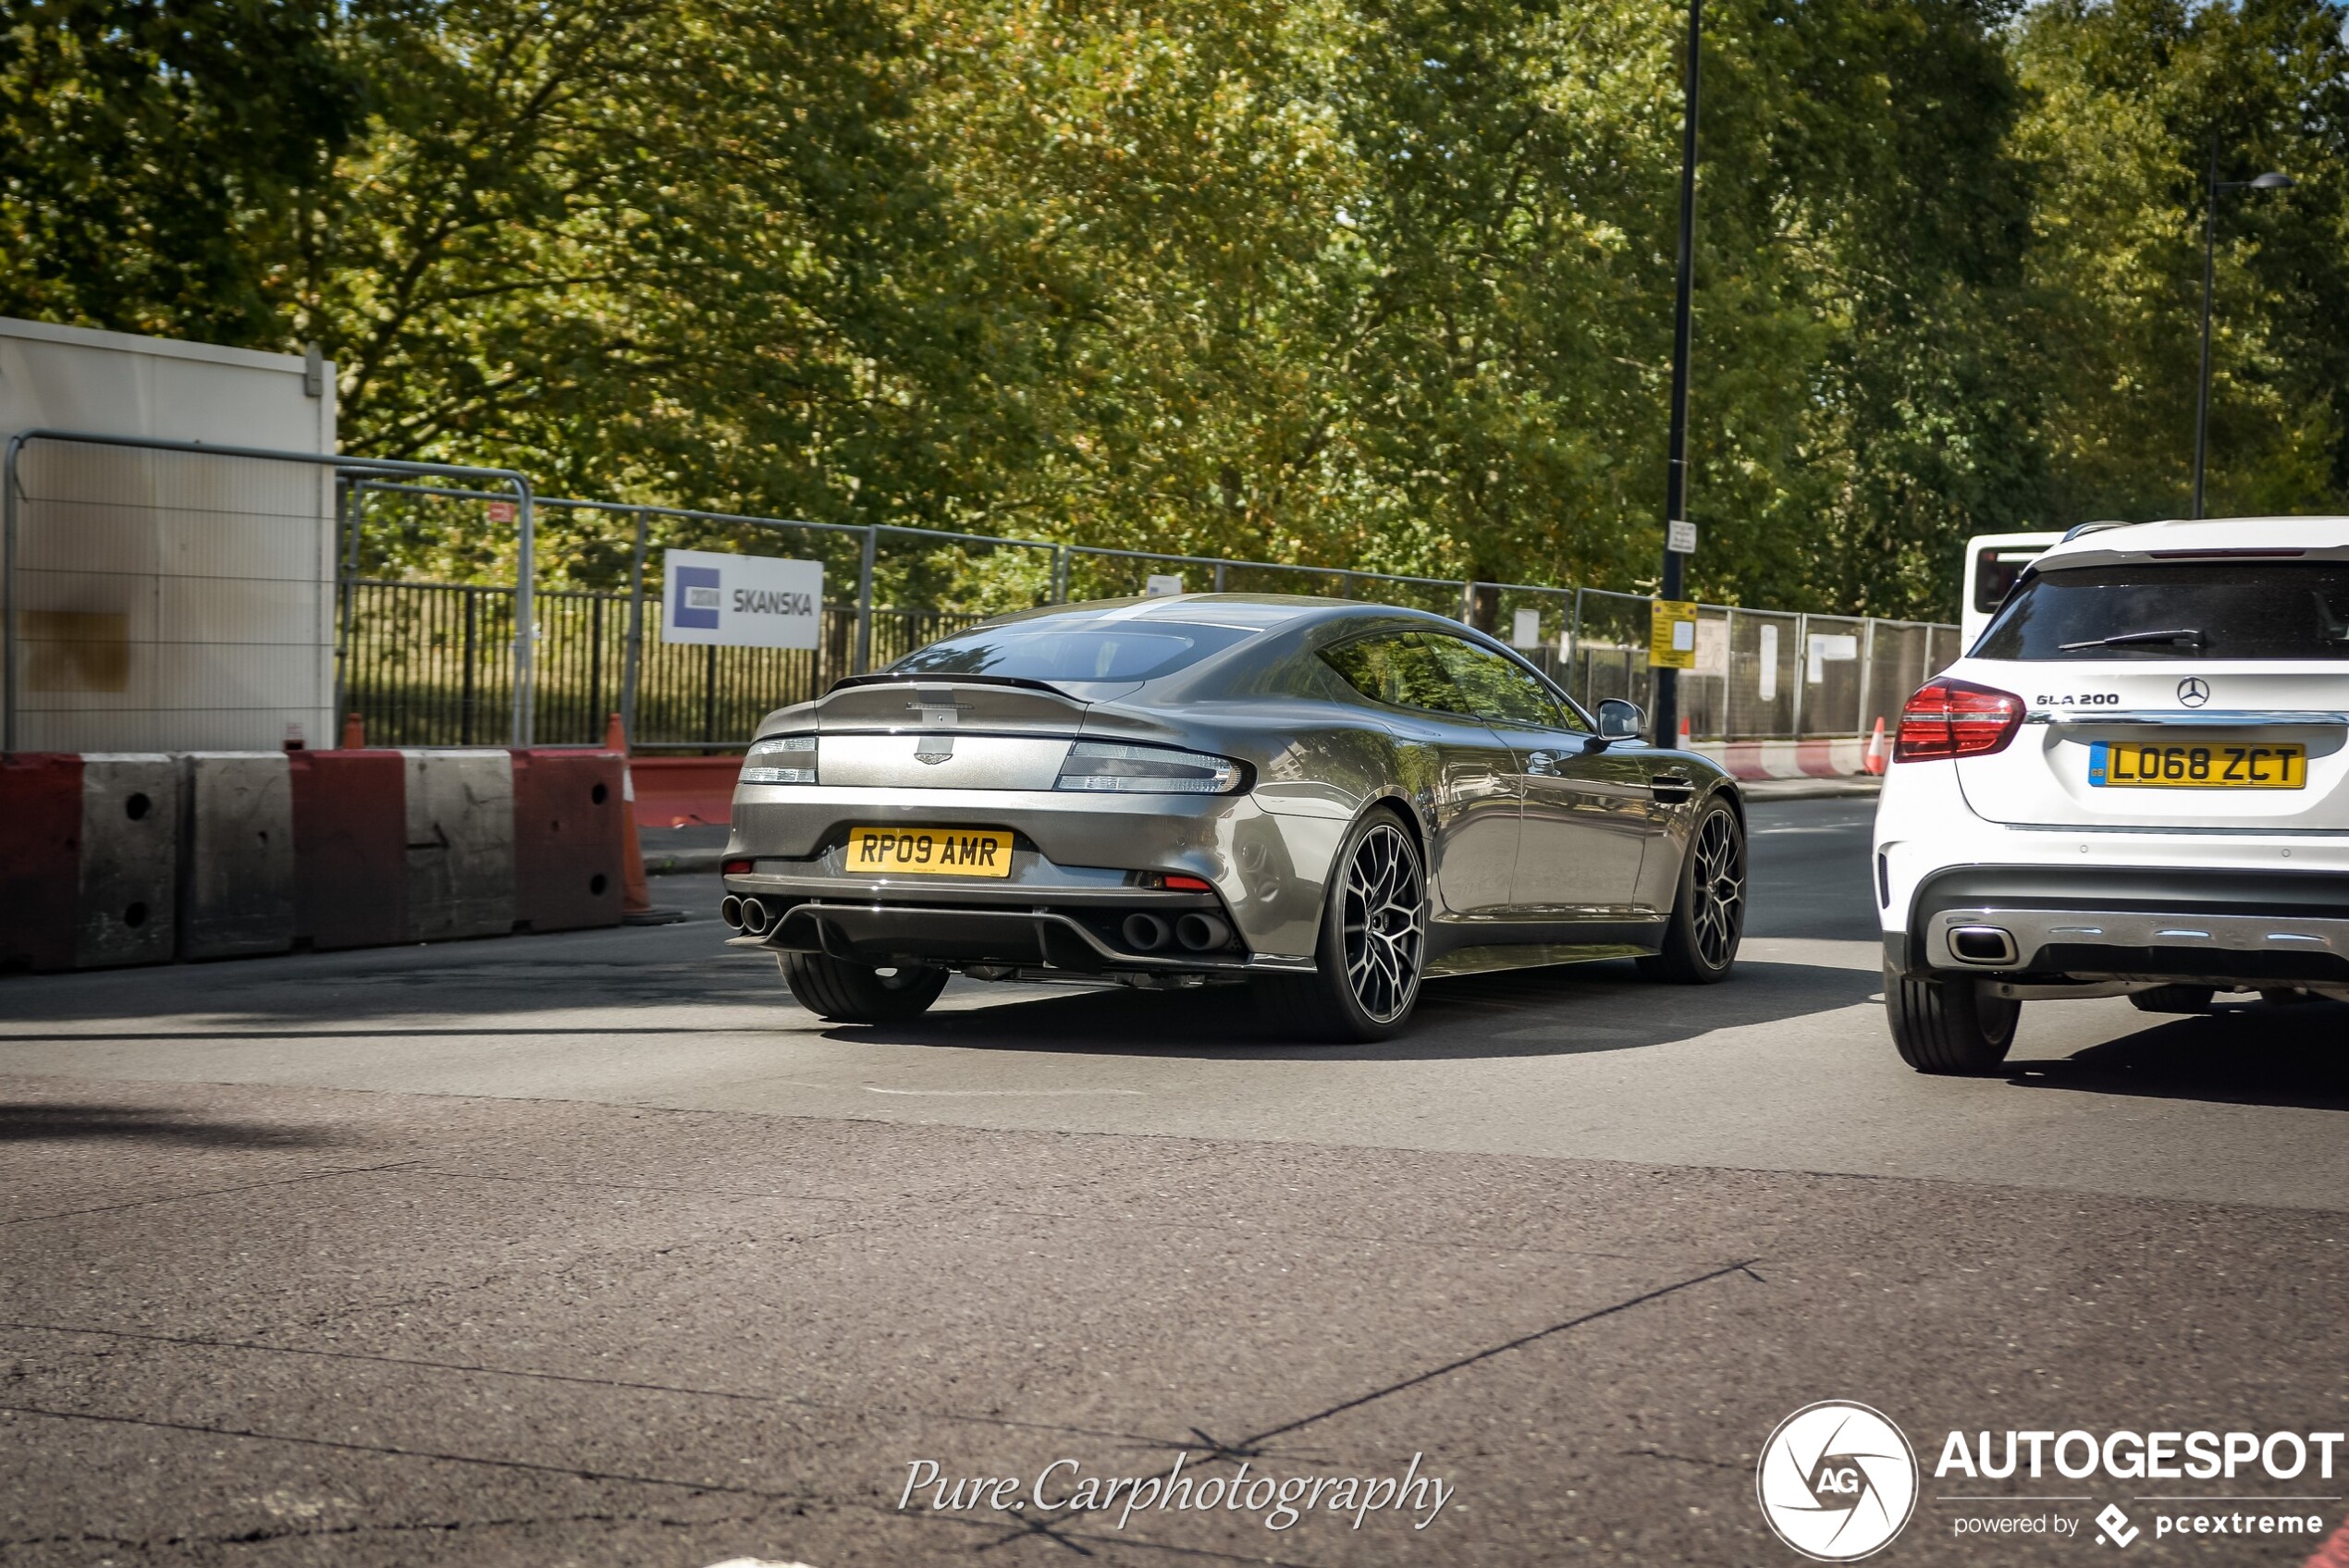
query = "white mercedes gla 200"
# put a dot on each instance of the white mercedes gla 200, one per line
(2135, 783)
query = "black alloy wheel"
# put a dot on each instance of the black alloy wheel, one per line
(1372, 950)
(1384, 935)
(1708, 913)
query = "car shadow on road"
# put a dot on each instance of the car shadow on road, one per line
(51, 1122)
(2249, 1053)
(1565, 1009)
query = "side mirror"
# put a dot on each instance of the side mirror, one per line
(1620, 720)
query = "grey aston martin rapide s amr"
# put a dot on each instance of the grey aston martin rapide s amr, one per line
(1328, 801)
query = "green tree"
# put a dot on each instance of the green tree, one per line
(2133, 94)
(154, 154)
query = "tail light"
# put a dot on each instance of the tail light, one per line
(1957, 718)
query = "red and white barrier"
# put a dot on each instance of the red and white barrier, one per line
(350, 849)
(116, 860)
(1839, 756)
(570, 831)
(40, 859)
(685, 792)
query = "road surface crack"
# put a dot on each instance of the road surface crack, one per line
(1253, 1446)
(217, 1192)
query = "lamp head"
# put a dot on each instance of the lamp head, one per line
(2272, 181)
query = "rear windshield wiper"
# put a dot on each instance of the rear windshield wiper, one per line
(2188, 637)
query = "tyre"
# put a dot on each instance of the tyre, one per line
(2174, 998)
(1372, 946)
(1708, 910)
(858, 993)
(1949, 1027)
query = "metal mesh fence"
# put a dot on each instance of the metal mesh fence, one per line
(1609, 657)
(168, 600)
(167, 597)
(1765, 668)
(431, 664)
(1831, 670)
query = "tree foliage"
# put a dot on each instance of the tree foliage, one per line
(1375, 283)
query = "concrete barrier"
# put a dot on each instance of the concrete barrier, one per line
(236, 854)
(121, 858)
(460, 844)
(125, 882)
(350, 849)
(684, 791)
(571, 831)
(40, 857)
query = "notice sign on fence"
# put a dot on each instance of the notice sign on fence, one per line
(1827, 646)
(741, 601)
(1671, 634)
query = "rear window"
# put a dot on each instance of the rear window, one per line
(2158, 611)
(1056, 650)
(1995, 572)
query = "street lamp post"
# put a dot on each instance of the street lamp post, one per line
(2269, 181)
(1676, 472)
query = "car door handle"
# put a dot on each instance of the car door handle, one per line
(1671, 788)
(1545, 763)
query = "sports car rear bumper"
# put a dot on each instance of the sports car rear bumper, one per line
(1077, 854)
(1083, 942)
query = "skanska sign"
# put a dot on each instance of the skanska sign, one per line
(741, 601)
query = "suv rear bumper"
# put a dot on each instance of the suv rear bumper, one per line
(2221, 925)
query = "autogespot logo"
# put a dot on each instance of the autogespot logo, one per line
(1837, 1481)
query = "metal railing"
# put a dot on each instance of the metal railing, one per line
(214, 624)
(447, 664)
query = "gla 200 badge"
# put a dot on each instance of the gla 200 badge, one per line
(1837, 1481)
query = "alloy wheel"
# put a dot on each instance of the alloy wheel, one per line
(1717, 883)
(1383, 941)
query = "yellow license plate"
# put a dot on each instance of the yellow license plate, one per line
(928, 852)
(2197, 765)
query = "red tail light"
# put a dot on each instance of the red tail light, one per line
(1957, 718)
(738, 869)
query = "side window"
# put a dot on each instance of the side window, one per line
(1399, 669)
(1497, 688)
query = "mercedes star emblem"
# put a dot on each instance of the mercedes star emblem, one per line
(2193, 691)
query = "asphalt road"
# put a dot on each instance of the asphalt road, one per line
(592, 1249)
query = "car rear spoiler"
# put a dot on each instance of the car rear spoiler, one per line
(941, 678)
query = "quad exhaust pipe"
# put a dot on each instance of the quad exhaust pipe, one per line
(1201, 932)
(746, 916)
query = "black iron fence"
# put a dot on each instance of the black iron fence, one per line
(431, 664)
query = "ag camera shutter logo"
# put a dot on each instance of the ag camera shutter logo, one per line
(1837, 1481)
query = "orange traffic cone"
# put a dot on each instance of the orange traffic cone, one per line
(636, 898)
(354, 734)
(1874, 763)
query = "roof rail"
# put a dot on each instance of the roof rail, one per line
(2075, 533)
